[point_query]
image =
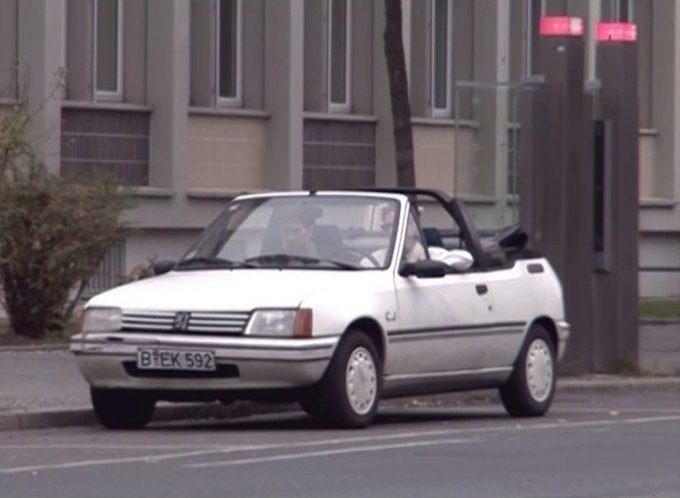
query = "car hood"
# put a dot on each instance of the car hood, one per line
(233, 290)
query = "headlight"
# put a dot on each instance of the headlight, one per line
(281, 323)
(102, 320)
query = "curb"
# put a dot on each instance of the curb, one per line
(608, 383)
(27, 349)
(84, 416)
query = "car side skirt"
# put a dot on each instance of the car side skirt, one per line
(437, 382)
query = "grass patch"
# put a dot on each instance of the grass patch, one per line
(660, 309)
(58, 338)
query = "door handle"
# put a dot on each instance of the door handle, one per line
(481, 289)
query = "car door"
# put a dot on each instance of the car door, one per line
(439, 321)
(513, 307)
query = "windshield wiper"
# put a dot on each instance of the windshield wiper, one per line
(214, 261)
(282, 258)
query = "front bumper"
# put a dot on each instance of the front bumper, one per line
(563, 333)
(105, 360)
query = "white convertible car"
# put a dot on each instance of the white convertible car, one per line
(334, 299)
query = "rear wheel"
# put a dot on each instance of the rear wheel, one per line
(349, 391)
(122, 409)
(530, 389)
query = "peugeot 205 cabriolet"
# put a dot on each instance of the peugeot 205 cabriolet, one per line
(334, 299)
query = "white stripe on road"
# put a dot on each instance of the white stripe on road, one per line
(360, 439)
(115, 461)
(340, 451)
(130, 447)
(619, 411)
(293, 456)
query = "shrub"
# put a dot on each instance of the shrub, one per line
(53, 231)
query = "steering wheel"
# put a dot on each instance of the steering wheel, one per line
(352, 250)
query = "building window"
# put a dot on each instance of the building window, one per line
(617, 10)
(534, 9)
(441, 58)
(339, 29)
(229, 52)
(108, 53)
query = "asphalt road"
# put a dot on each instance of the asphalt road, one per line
(610, 443)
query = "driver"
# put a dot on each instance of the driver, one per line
(297, 236)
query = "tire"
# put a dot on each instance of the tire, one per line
(530, 389)
(122, 409)
(349, 392)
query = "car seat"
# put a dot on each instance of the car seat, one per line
(328, 240)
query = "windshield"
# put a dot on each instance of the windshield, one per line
(306, 231)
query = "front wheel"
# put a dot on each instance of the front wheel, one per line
(349, 391)
(530, 389)
(122, 409)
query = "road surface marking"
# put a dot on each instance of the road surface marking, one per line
(350, 440)
(628, 411)
(519, 427)
(131, 447)
(340, 451)
(115, 461)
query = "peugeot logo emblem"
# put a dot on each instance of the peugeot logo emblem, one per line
(181, 321)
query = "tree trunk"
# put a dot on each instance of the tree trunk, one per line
(401, 107)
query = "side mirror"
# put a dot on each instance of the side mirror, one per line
(425, 268)
(163, 266)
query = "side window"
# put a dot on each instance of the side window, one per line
(414, 245)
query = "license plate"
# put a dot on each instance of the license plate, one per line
(175, 359)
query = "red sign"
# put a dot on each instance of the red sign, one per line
(560, 26)
(616, 32)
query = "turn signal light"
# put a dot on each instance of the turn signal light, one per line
(302, 327)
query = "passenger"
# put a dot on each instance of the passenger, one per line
(413, 248)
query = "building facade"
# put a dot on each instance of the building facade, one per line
(194, 101)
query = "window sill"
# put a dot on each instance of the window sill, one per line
(228, 112)
(648, 132)
(108, 106)
(445, 122)
(219, 194)
(150, 192)
(337, 116)
(657, 203)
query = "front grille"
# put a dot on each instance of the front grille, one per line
(217, 323)
(222, 372)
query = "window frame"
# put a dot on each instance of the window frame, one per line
(237, 100)
(617, 11)
(441, 112)
(107, 95)
(340, 107)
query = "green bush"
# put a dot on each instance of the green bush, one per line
(53, 231)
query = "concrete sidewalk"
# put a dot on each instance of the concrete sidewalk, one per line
(43, 388)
